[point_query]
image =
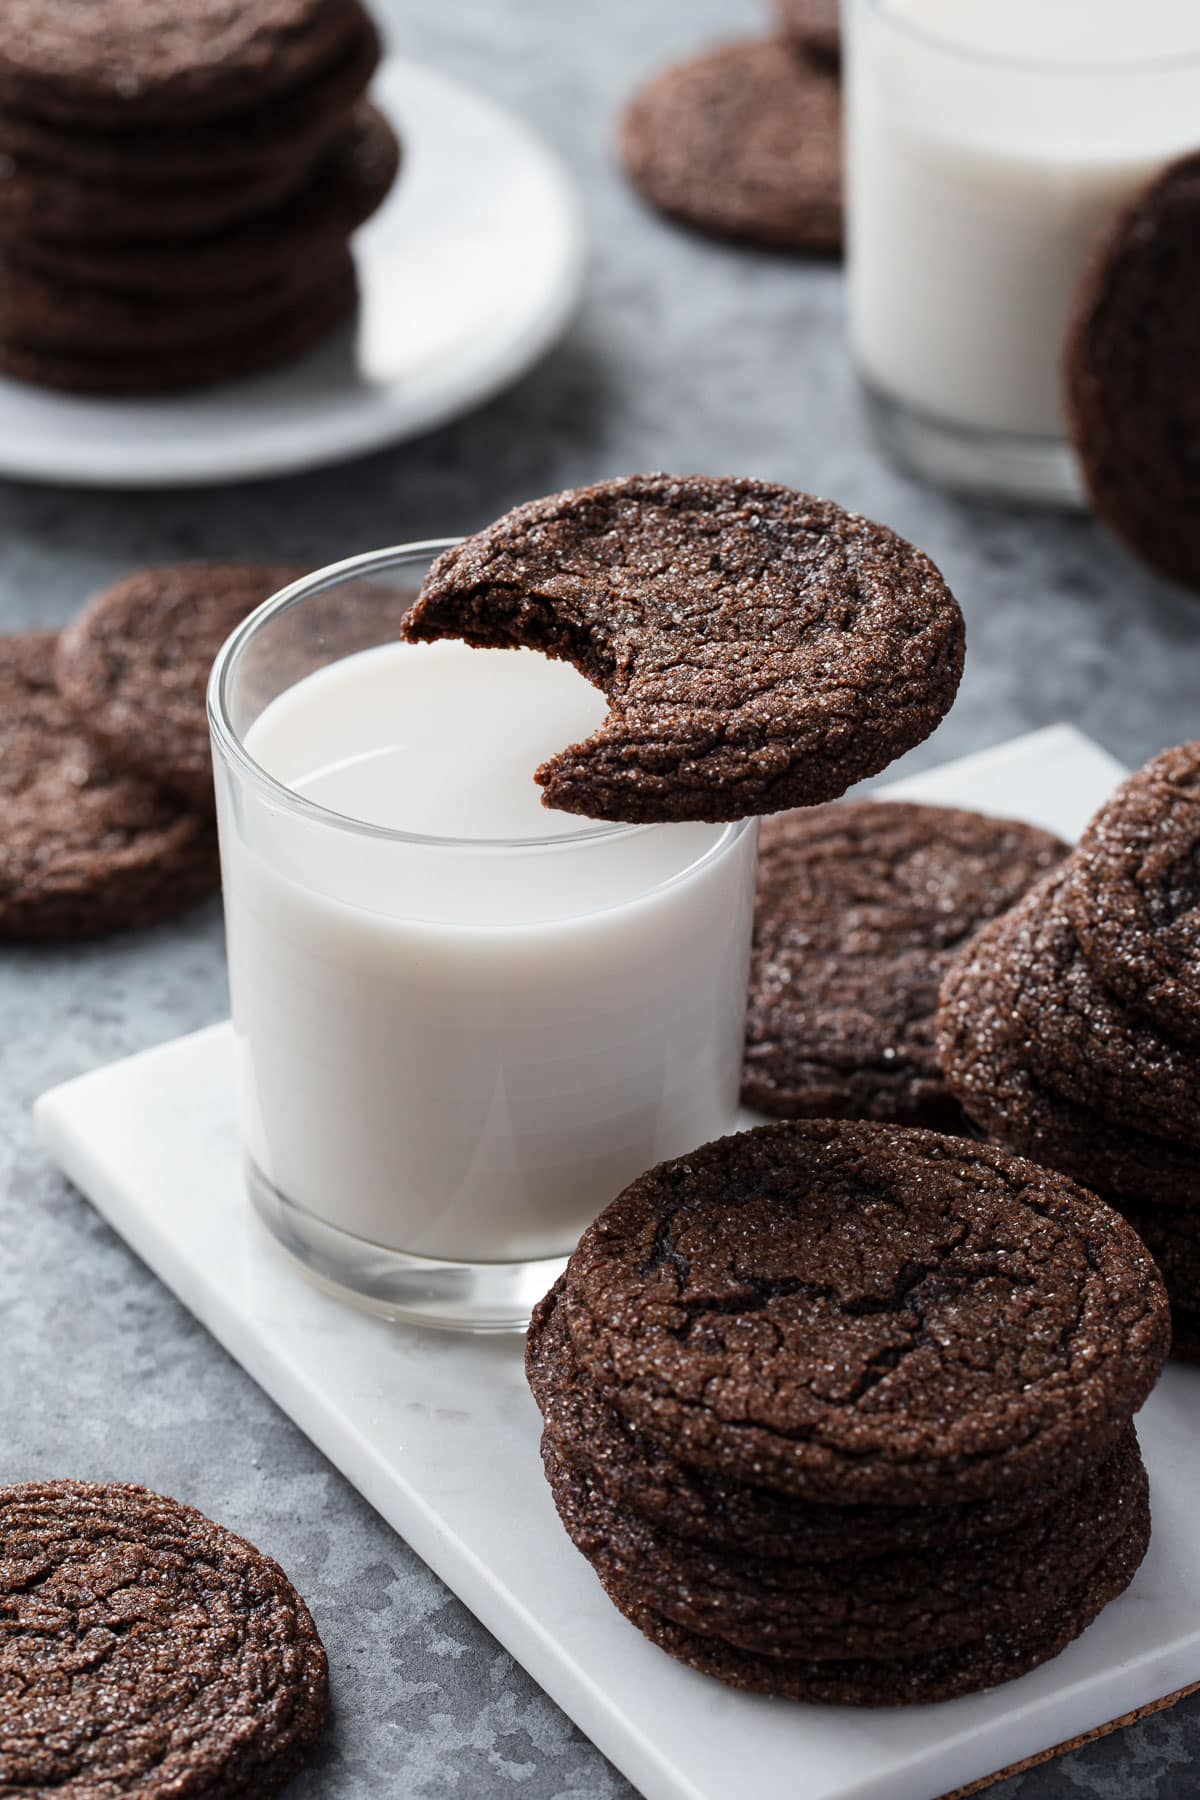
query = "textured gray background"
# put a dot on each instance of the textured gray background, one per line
(687, 356)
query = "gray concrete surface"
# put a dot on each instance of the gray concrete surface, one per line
(687, 356)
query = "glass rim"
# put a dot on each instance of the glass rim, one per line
(228, 740)
(1165, 62)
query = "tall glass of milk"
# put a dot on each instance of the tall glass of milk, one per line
(463, 1022)
(989, 144)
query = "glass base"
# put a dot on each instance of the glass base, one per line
(420, 1290)
(1040, 471)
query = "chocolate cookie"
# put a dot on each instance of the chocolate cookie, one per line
(305, 233)
(759, 648)
(37, 198)
(865, 1314)
(920, 1681)
(135, 664)
(124, 64)
(861, 908)
(203, 363)
(288, 130)
(742, 142)
(1133, 893)
(985, 1058)
(1136, 325)
(147, 1651)
(874, 1609)
(812, 26)
(643, 1479)
(86, 848)
(1079, 1040)
(47, 313)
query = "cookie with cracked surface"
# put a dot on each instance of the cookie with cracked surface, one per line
(759, 648)
(289, 129)
(123, 64)
(84, 847)
(1133, 892)
(306, 232)
(873, 1609)
(814, 27)
(985, 1056)
(644, 1479)
(860, 909)
(867, 1313)
(744, 142)
(944, 1675)
(1082, 1042)
(122, 1605)
(134, 666)
(205, 362)
(1135, 325)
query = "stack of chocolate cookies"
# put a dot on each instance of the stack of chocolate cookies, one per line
(1070, 1030)
(180, 187)
(843, 1412)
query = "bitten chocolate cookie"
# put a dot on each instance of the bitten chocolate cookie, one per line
(742, 142)
(1133, 893)
(303, 235)
(642, 1479)
(813, 26)
(84, 847)
(147, 1651)
(861, 908)
(1133, 419)
(299, 326)
(126, 63)
(759, 648)
(135, 664)
(864, 1313)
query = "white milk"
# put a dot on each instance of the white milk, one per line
(464, 1051)
(990, 142)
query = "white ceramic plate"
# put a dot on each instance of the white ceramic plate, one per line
(469, 272)
(438, 1430)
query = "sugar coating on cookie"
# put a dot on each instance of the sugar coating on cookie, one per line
(861, 907)
(126, 1609)
(85, 847)
(759, 648)
(743, 141)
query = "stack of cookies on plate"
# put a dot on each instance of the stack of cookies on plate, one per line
(1070, 1030)
(106, 788)
(180, 186)
(843, 1411)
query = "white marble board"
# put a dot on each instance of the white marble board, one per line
(440, 1434)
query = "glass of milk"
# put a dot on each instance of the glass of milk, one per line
(989, 144)
(463, 1022)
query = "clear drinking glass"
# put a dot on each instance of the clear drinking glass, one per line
(453, 1052)
(980, 180)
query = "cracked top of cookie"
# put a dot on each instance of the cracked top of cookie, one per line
(858, 1312)
(759, 648)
